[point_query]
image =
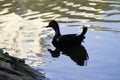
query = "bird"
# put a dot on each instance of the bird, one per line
(66, 40)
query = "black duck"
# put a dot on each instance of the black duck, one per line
(67, 40)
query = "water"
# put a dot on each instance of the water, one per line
(23, 34)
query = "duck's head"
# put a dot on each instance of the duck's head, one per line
(53, 24)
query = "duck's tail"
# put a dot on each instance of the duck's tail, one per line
(84, 31)
(82, 35)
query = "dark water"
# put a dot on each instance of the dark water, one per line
(23, 34)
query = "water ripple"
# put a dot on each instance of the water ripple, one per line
(88, 10)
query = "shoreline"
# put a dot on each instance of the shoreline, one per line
(13, 68)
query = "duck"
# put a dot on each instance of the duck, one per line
(66, 40)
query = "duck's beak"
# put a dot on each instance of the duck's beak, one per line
(47, 26)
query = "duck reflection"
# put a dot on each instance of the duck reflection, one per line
(77, 53)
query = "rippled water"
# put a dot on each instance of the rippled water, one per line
(23, 34)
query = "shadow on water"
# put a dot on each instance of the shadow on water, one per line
(77, 53)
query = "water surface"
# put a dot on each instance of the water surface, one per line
(23, 34)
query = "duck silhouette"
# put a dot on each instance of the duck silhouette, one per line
(77, 53)
(67, 40)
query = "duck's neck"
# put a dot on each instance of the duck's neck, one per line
(57, 31)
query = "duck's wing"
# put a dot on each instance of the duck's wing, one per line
(71, 39)
(68, 36)
(67, 39)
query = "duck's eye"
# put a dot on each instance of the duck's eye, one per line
(57, 39)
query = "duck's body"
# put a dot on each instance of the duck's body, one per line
(67, 40)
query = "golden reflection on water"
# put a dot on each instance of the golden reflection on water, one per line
(88, 10)
(21, 37)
